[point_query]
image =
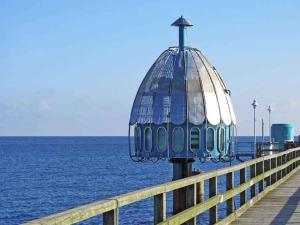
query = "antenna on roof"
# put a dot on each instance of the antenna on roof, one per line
(181, 23)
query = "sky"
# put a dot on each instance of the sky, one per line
(73, 67)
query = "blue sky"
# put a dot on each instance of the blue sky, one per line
(73, 67)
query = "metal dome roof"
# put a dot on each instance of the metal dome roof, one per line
(182, 86)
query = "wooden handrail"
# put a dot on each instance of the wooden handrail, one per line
(286, 162)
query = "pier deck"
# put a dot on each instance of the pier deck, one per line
(280, 206)
(273, 185)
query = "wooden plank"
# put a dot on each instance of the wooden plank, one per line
(160, 208)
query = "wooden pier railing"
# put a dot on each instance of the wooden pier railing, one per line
(266, 173)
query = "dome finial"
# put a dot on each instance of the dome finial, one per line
(181, 22)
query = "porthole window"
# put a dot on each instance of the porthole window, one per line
(210, 139)
(148, 139)
(221, 139)
(178, 139)
(138, 138)
(162, 139)
(195, 139)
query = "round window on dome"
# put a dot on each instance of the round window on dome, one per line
(178, 139)
(221, 139)
(194, 139)
(138, 138)
(210, 142)
(148, 139)
(162, 139)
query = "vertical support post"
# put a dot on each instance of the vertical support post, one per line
(279, 164)
(160, 208)
(283, 160)
(183, 197)
(200, 188)
(229, 186)
(259, 171)
(242, 180)
(267, 165)
(191, 201)
(287, 160)
(252, 175)
(294, 156)
(111, 217)
(200, 192)
(213, 211)
(274, 175)
(297, 155)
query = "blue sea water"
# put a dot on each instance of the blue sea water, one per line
(45, 175)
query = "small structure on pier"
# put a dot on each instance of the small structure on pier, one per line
(182, 109)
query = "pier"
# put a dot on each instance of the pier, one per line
(281, 206)
(272, 184)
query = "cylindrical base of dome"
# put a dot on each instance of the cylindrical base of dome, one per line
(183, 198)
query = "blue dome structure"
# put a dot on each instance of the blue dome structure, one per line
(182, 108)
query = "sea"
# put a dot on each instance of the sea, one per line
(40, 176)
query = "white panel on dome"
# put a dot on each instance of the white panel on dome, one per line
(211, 102)
(195, 105)
(223, 106)
(229, 102)
(233, 118)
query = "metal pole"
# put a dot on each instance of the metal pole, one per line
(254, 128)
(262, 130)
(254, 104)
(270, 110)
(270, 126)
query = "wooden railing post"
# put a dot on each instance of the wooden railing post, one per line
(298, 154)
(242, 180)
(229, 186)
(287, 160)
(160, 208)
(259, 171)
(200, 191)
(213, 211)
(274, 175)
(191, 200)
(111, 217)
(267, 165)
(283, 161)
(252, 175)
(279, 163)
(294, 156)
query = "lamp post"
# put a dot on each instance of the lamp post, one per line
(254, 104)
(270, 110)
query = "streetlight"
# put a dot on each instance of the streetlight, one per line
(254, 104)
(270, 110)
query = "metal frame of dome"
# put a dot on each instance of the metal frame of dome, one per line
(182, 89)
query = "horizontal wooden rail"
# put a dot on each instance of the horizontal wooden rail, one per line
(289, 163)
